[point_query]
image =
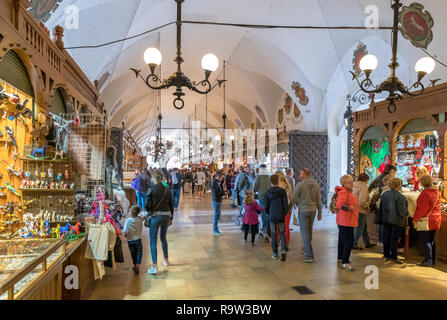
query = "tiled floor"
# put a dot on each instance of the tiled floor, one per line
(208, 267)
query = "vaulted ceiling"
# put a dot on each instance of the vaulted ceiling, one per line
(261, 63)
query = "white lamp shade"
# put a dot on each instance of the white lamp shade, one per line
(210, 62)
(211, 146)
(152, 56)
(426, 65)
(153, 138)
(231, 137)
(368, 62)
(201, 145)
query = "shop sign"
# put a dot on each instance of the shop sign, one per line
(416, 25)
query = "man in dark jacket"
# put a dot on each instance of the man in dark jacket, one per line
(276, 207)
(394, 212)
(217, 194)
(176, 183)
(378, 182)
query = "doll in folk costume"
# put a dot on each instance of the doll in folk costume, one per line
(401, 142)
(410, 143)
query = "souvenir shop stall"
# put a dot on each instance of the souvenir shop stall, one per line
(281, 157)
(133, 160)
(413, 139)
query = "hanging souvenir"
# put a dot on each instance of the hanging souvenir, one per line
(410, 143)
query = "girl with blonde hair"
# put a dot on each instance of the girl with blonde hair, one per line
(250, 219)
(286, 186)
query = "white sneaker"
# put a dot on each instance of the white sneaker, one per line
(153, 270)
(347, 267)
(165, 262)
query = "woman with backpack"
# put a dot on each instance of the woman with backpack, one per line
(141, 185)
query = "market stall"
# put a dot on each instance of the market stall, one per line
(410, 138)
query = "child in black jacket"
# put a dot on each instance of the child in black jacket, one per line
(276, 207)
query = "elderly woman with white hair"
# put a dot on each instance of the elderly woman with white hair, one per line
(347, 218)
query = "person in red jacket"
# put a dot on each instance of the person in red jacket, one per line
(347, 219)
(428, 205)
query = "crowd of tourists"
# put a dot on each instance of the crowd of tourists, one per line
(354, 200)
(265, 203)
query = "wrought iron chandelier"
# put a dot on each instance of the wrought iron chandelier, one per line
(152, 57)
(393, 84)
(157, 149)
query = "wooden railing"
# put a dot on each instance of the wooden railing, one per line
(363, 116)
(57, 58)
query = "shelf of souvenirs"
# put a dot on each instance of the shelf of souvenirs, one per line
(416, 164)
(45, 160)
(47, 190)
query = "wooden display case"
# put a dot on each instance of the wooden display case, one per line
(431, 107)
(27, 265)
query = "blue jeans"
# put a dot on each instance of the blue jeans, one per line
(361, 231)
(217, 210)
(380, 233)
(136, 250)
(176, 196)
(428, 240)
(162, 223)
(306, 220)
(391, 235)
(282, 236)
(233, 199)
(141, 199)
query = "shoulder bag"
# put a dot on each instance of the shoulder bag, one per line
(147, 222)
(422, 224)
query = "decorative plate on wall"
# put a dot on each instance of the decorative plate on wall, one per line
(288, 104)
(300, 93)
(359, 53)
(416, 25)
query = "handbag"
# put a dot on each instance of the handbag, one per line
(422, 224)
(147, 221)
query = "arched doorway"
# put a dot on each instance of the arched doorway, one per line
(58, 103)
(14, 72)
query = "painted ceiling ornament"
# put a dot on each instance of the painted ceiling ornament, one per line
(288, 104)
(42, 9)
(296, 111)
(416, 25)
(300, 93)
(261, 114)
(359, 53)
(280, 116)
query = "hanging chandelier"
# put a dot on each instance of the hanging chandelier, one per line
(152, 57)
(393, 84)
(157, 149)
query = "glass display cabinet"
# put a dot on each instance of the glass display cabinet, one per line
(24, 261)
